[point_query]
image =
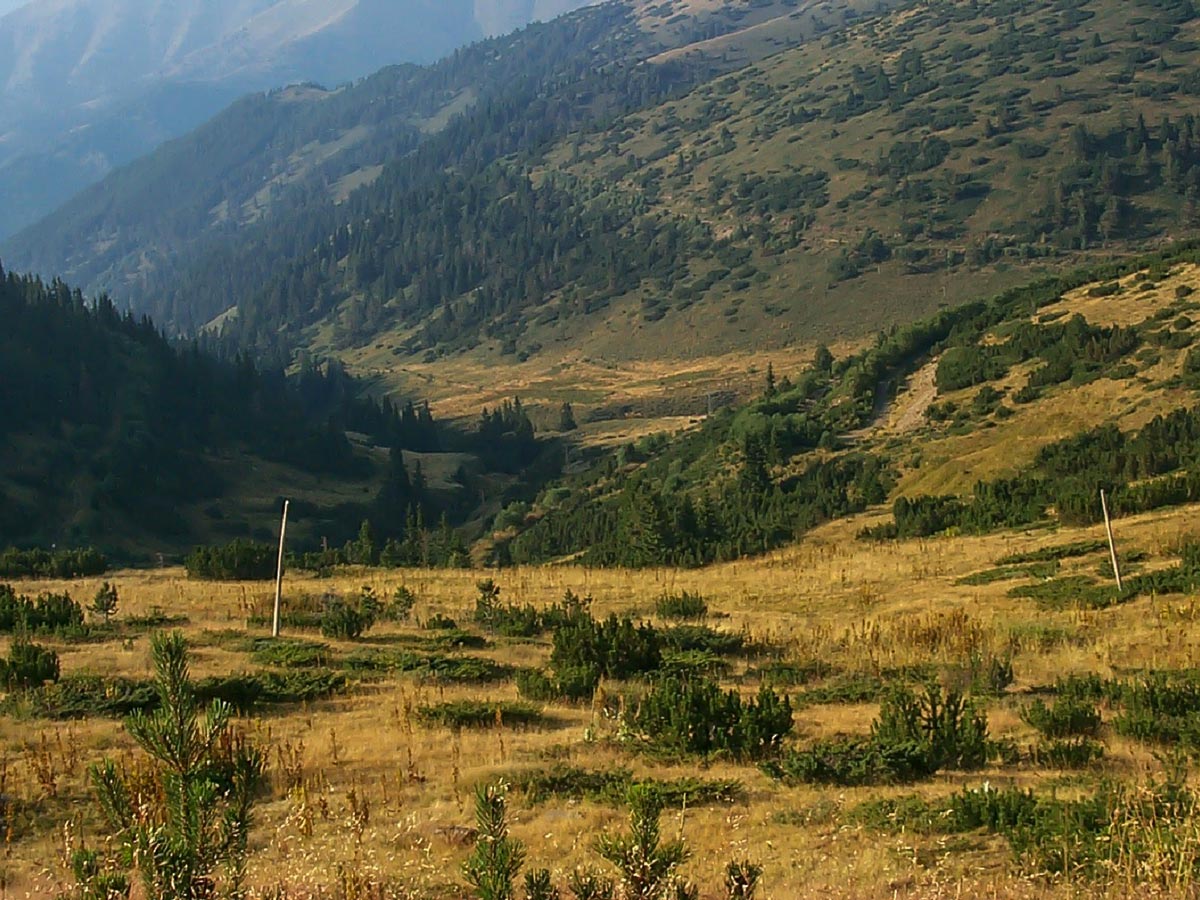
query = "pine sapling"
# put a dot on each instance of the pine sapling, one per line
(741, 879)
(497, 858)
(182, 815)
(646, 865)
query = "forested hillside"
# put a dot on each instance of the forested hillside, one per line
(88, 85)
(116, 437)
(526, 189)
(263, 220)
(1044, 394)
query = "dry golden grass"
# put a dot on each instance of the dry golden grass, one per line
(358, 783)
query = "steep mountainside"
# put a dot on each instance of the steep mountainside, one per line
(74, 73)
(519, 95)
(771, 173)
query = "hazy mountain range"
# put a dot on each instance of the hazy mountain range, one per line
(86, 85)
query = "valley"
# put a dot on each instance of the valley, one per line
(732, 450)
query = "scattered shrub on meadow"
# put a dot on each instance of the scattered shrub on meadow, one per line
(1070, 716)
(693, 715)
(239, 560)
(28, 665)
(914, 736)
(681, 606)
(44, 613)
(480, 714)
(83, 563)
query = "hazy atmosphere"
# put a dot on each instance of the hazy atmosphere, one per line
(649, 450)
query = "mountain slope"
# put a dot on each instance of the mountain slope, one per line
(885, 162)
(114, 437)
(1013, 412)
(519, 94)
(73, 71)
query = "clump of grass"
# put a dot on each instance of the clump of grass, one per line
(481, 714)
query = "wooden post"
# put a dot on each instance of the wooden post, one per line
(1112, 545)
(279, 573)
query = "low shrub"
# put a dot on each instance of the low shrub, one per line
(611, 787)
(290, 653)
(38, 563)
(684, 638)
(1070, 716)
(914, 736)
(586, 650)
(347, 620)
(791, 674)
(480, 714)
(693, 715)
(28, 665)
(1160, 707)
(524, 621)
(41, 614)
(1073, 753)
(1048, 554)
(682, 606)
(82, 696)
(435, 667)
(239, 560)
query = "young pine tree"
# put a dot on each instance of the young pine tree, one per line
(182, 816)
(496, 859)
(646, 866)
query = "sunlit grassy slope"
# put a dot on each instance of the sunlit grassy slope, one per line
(862, 608)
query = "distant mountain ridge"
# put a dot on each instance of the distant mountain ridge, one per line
(75, 73)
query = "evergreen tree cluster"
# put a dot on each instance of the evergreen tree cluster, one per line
(104, 417)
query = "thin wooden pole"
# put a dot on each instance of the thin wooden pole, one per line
(1112, 544)
(279, 572)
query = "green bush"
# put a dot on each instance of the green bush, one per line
(347, 621)
(480, 714)
(611, 787)
(1070, 716)
(239, 560)
(28, 665)
(16, 563)
(914, 736)
(290, 653)
(536, 685)
(82, 696)
(681, 606)
(45, 613)
(1074, 753)
(693, 715)
(686, 638)
(586, 650)
(1161, 707)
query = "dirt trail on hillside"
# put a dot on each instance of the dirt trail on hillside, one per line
(907, 411)
(921, 392)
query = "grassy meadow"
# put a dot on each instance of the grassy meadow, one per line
(367, 799)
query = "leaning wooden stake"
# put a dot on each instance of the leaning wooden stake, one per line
(1112, 545)
(279, 573)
